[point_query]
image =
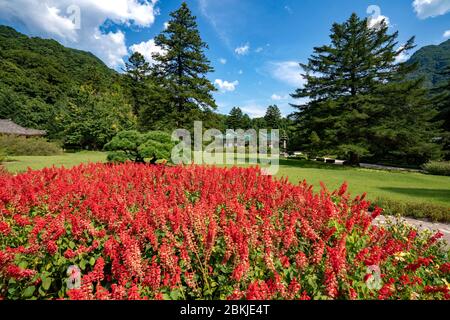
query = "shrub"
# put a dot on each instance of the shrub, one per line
(438, 168)
(419, 210)
(135, 146)
(33, 146)
(193, 232)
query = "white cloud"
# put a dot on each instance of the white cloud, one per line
(258, 50)
(254, 110)
(288, 72)
(431, 8)
(446, 34)
(147, 49)
(54, 19)
(243, 50)
(277, 97)
(376, 19)
(166, 25)
(402, 57)
(241, 72)
(225, 86)
(376, 22)
(223, 61)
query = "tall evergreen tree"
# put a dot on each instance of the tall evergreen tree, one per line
(234, 120)
(137, 71)
(360, 100)
(442, 100)
(273, 117)
(182, 67)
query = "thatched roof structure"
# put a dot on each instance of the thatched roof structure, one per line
(9, 127)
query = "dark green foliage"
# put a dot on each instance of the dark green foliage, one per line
(238, 120)
(431, 60)
(360, 101)
(181, 70)
(135, 146)
(439, 168)
(273, 117)
(91, 119)
(259, 123)
(69, 93)
(20, 146)
(441, 99)
(136, 75)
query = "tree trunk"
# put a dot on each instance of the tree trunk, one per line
(354, 159)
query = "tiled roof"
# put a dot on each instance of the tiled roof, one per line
(9, 127)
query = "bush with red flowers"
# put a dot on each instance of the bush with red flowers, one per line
(133, 231)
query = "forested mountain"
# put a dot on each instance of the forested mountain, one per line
(45, 85)
(432, 61)
(41, 68)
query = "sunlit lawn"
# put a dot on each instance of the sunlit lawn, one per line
(22, 163)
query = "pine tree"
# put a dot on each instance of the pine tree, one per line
(137, 71)
(360, 102)
(234, 120)
(273, 117)
(182, 67)
(442, 100)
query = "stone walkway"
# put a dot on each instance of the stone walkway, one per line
(381, 167)
(421, 225)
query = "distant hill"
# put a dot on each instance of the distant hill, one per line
(37, 76)
(44, 68)
(432, 60)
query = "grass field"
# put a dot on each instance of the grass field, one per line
(22, 163)
(404, 186)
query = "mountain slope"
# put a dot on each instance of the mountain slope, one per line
(39, 78)
(432, 60)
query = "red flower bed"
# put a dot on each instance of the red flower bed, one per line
(157, 232)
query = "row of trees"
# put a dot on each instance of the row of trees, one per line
(239, 120)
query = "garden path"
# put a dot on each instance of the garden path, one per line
(421, 225)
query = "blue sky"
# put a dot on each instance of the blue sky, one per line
(254, 45)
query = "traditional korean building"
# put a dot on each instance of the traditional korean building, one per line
(10, 128)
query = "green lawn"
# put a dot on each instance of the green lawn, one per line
(22, 163)
(405, 186)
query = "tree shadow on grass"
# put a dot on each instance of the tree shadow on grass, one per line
(436, 194)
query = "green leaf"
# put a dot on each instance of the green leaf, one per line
(46, 282)
(174, 295)
(41, 291)
(92, 261)
(28, 292)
